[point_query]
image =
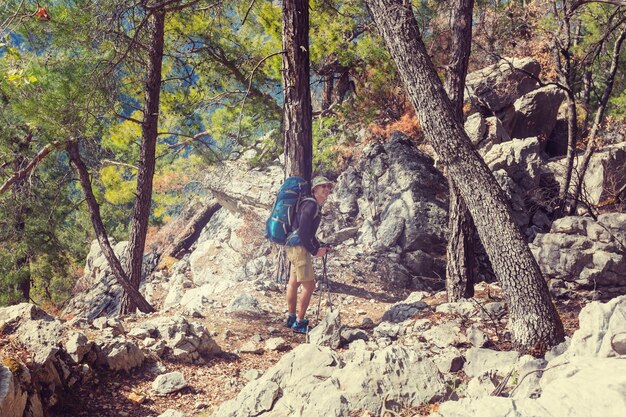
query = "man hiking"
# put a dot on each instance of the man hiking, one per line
(301, 246)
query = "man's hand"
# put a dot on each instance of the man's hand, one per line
(322, 251)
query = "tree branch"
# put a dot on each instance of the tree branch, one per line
(30, 167)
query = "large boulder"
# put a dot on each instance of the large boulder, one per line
(315, 381)
(585, 377)
(181, 340)
(535, 112)
(99, 292)
(496, 87)
(581, 254)
(398, 201)
(602, 326)
(518, 166)
(51, 371)
(605, 176)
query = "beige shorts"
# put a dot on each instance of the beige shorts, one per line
(301, 263)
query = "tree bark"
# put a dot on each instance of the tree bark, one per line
(149, 133)
(101, 234)
(534, 321)
(460, 270)
(192, 230)
(297, 110)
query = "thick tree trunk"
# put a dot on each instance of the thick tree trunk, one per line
(149, 132)
(460, 270)
(534, 321)
(101, 234)
(297, 127)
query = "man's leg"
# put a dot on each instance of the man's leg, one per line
(307, 292)
(292, 292)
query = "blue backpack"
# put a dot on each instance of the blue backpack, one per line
(291, 193)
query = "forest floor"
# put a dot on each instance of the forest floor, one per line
(223, 376)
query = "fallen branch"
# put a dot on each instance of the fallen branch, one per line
(532, 372)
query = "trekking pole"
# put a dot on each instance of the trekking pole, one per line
(324, 286)
(280, 273)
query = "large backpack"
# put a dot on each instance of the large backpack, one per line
(280, 222)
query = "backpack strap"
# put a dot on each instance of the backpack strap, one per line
(317, 206)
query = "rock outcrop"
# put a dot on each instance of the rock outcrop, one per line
(583, 255)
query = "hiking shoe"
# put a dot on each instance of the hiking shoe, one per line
(301, 327)
(290, 321)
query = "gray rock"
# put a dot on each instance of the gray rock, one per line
(387, 329)
(481, 360)
(328, 331)
(499, 85)
(244, 303)
(606, 173)
(481, 386)
(580, 254)
(252, 374)
(332, 386)
(476, 336)
(169, 383)
(618, 343)
(599, 323)
(118, 354)
(78, 346)
(350, 335)
(276, 343)
(413, 216)
(185, 341)
(251, 346)
(449, 360)
(476, 129)
(536, 111)
(461, 308)
(445, 335)
(403, 310)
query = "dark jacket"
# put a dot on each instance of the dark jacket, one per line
(305, 227)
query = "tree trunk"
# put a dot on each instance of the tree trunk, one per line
(460, 271)
(101, 234)
(298, 131)
(534, 321)
(192, 231)
(460, 268)
(149, 132)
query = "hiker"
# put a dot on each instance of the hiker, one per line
(301, 246)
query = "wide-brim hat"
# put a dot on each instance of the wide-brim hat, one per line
(320, 180)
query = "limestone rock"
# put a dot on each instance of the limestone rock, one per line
(331, 385)
(536, 111)
(244, 303)
(406, 309)
(481, 360)
(169, 383)
(499, 85)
